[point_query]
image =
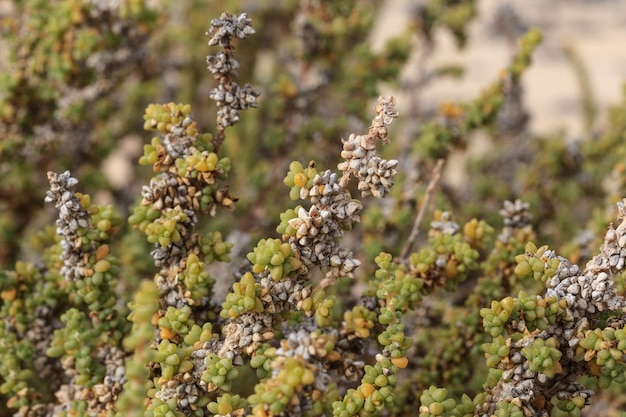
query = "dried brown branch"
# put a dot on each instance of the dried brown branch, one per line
(430, 190)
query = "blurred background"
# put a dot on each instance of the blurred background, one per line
(77, 76)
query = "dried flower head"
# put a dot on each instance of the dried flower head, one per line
(228, 26)
(72, 223)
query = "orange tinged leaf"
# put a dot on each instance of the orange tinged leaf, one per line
(400, 362)
(9, 295)
(167, 333)
(367, 389)
(102, 252)
(300, 179)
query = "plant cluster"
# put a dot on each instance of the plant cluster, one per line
(472, 318)
(64, 60)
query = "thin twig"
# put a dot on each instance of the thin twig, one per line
(420, 215)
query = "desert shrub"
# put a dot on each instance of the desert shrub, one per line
(280, 260)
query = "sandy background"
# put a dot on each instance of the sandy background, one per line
(596, 29)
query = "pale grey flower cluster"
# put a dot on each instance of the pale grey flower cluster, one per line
(515, 214)
(306, 341)
(228, 26)
(221, 63)
(166, 193)
(186, 391)
(230, 98)
(315, 242)
(445, 224)
(102, 396)
(593, 291)
(245, 334)
(298, 343)
(334, 209)
(283, 295)
(73, 219)
(374, 173)
(328, 193)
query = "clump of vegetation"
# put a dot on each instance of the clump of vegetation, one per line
(277, 263)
